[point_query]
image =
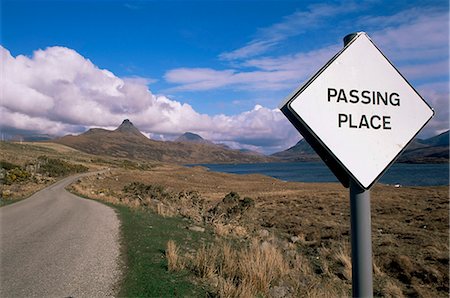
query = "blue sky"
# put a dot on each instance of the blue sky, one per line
(218, 68)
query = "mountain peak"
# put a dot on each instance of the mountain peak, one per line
(190, 137)
(301, 151)
(128, 127)
(126, 122)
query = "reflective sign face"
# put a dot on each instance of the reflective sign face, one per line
(361, 109)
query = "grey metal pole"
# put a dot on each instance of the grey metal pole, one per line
(349, 38)
(361, 234)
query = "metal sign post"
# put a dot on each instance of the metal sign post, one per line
(361, 241)
(358, 113)
(361, 234)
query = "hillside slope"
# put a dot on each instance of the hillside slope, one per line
(301, 151)
(431, 150)
(189, 137)
(128, 142)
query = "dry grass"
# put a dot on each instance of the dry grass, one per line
(324, 291)
(221, 229)
(392, 290)
(204, 263)
(377, 270)
(174, 262)
(164, 210)
(261, 265)
(227, 288)
(344, 258)
(230, 261)
(260, 269)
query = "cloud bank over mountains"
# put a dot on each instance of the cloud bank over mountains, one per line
(58, 91)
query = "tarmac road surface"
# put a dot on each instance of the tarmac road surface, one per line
(55, 244)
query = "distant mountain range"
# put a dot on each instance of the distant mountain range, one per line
(128, 142)
(432, 150)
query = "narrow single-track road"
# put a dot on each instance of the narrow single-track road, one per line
(55, 244)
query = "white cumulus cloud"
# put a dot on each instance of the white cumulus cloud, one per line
(58, 91)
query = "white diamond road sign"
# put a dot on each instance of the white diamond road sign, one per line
(358, 111)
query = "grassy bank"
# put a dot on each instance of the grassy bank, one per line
(145, 236)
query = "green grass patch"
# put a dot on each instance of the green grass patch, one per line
(10, 201)
(145, 236)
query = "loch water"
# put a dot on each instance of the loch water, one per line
(398, 173)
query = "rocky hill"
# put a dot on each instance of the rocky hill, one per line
(301, 151)
(128, 142)
(189, 137)
(432, 150)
